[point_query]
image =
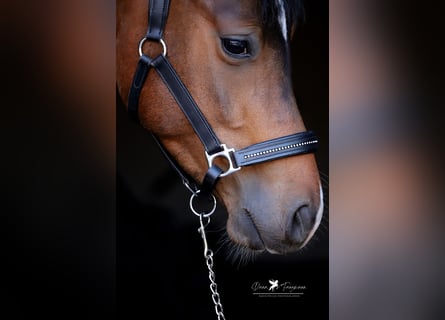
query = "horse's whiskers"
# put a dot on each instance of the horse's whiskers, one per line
(324, 178)
(236, 253)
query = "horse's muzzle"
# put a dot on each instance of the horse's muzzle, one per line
(278, 232)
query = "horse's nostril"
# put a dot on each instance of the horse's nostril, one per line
(301, 222)
(305, 217)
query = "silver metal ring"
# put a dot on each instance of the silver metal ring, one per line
(202, 214)
(161, 41)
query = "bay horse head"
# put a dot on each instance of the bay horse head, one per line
(233, 57)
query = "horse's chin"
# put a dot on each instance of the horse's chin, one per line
(246, 239)
(243, 254)
(265, 249)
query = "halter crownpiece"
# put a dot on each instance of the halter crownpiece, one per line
(291, 145)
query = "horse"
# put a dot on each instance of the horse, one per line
(233, 57)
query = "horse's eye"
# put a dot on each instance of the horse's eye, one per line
(236, 48)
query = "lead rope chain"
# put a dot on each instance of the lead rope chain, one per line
(208, 255)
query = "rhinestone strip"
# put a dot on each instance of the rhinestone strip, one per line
(273, 150)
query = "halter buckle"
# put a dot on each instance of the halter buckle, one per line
(226, 153)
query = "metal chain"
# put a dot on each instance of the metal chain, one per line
(208, 255)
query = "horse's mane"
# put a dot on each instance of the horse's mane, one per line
(269, 12)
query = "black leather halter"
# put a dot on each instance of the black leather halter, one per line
(291, 145)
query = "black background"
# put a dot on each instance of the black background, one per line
(160, 267)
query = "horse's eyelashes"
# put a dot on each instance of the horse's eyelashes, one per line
(237, 48)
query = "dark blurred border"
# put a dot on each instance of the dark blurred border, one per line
(57, 206)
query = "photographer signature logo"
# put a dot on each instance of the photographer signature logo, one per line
(274, 285)
(276, 288)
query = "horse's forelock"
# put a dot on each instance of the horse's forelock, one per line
(270, 12)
